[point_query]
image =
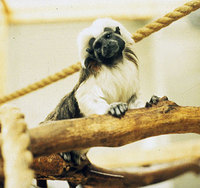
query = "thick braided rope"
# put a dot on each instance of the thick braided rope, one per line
(166, 20)
(15, 142)
(147, 30)
(42, 83)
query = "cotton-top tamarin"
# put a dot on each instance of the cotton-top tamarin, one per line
(108, 80)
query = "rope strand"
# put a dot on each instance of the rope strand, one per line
(15, 143)
(42, 83)
(140, 34)
(166, 20)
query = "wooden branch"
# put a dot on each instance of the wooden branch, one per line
(54, 168)
(73, 134)
(66, 135)
(144, 172)
(125, 157)
(100, 177)
(142, 176)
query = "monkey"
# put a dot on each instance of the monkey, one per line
(108, 81)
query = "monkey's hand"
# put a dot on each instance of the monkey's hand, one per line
(118, 109)
(153, 101)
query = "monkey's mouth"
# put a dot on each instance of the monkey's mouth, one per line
(110, 49)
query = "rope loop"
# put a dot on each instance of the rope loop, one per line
(15, 142)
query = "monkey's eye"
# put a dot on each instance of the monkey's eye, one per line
(97, 45)
(108, 36)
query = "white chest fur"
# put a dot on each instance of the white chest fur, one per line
(120, 83)
(116, 84)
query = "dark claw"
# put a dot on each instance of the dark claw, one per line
(73, 157)
(118, 109)
(153, 101)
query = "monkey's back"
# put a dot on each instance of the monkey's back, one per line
(66, 109)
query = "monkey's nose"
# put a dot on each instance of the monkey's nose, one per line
(110, 49)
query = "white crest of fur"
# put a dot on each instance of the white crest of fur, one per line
(95, 30)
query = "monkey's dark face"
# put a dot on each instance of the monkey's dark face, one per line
(107, 47)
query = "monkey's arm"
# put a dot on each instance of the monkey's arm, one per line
(91, 100)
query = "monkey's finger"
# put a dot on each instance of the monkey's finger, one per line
(112, 111)
(122, 109)
(117, 111)
(125, 106)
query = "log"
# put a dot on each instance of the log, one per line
(164, 118)
(54, 168)
(124, 157)
(144, 172)
(104, 130)
(101, 177)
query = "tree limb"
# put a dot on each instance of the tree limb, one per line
(67, 135)
(74, 134)
(101, 177)
(54, 168)
(103, 130)
(142, 176)
(165, 166)
(125, 157)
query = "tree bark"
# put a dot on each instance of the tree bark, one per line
(164, 118)
(100, 177)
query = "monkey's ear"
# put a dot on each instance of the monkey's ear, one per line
(91, 41)
(90, 51)
(117, 30)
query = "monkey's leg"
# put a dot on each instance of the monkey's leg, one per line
(76, 158)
